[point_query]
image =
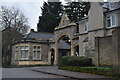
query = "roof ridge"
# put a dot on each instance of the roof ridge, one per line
(42, 32)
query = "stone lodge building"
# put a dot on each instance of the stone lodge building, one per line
(96, 36)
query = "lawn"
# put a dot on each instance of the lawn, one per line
(107, 71)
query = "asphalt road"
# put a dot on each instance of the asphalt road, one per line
(25, 73)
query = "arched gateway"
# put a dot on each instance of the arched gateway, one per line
(64, 35)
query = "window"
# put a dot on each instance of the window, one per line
(36, 53)
(24, 52)
(111, 21)
(86, 27)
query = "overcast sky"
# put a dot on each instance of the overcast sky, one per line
(30, 8)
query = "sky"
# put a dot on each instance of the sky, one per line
(30, 8)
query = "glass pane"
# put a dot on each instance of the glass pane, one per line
(86, 27)
(35, 47)
(22, 47)
(26, 54)
(34, 54)
(22, 54)
(113, 20)
(38, 47)
(26, 47)
(38, 54)
(108, 23)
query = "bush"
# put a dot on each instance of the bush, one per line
(76, 61)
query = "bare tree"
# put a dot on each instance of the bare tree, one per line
(14, 19)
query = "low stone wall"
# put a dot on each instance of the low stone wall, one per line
(33, 63)
(105, 51)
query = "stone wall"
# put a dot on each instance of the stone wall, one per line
(116, 46)
(0, 48)
(33, 63)
(116, 50)
(107, 49)
(104, 51)
(66, 31)
(96, 16)
(43, 51)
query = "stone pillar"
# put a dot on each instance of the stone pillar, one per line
(96, 58)
(30, 52)
(72, 50)
(56, 54)
(0, 48)
(0, 54)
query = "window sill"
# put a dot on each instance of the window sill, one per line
(85, 32)
(111, 27)
(24, 60)
(36, 60)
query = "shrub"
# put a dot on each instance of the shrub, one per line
(76, 61)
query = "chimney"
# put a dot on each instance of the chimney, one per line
(32, 30)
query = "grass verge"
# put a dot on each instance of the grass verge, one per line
(106, 71)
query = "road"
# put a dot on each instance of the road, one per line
(25, 73)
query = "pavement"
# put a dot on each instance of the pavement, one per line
(26, 74)
(74, 75)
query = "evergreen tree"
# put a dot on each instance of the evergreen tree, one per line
(51, 14)
(77, 10)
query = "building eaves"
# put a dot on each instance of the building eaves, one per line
(111, 10)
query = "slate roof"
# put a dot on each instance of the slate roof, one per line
(40, 35)
(114, 4)
(63, 45)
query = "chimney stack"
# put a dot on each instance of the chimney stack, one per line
(32, 30)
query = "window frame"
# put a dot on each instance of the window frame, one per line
(111, 21)
(86, 27)
(23, 55)
(35, 51)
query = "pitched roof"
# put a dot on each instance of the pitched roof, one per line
(110, 5)
(40, 35)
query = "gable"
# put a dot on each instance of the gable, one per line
(64, 20)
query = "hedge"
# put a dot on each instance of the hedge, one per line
(76, 61)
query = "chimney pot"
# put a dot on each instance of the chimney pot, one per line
(32, 30)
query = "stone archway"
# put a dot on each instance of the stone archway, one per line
(76, 50)
(63, 47)
(65, 28)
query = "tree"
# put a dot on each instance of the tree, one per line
(52, 12)
(77, 10)
(14, 19)
(51, 15)
(15, 25)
